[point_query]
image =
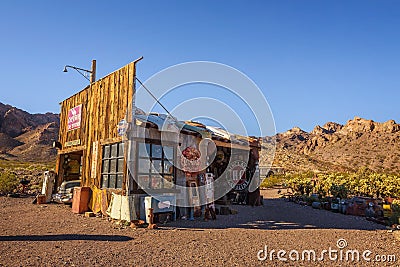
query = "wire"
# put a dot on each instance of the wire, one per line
(156, 99)
(82, 74)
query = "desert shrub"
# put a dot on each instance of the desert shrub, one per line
(271, 181)
(394, 219)
(361, 183)
(339, 191)
(300, 183)
(8, 182)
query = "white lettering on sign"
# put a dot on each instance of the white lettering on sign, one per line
(237, 175)
(74, 118)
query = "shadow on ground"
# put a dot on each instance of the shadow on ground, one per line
(66, 237)
(280, 214)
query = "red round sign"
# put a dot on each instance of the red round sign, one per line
(237, 173)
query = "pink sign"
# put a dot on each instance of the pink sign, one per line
(74, 118)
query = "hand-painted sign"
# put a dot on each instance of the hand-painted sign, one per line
(74, 118)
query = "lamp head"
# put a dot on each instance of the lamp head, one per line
(65, 69)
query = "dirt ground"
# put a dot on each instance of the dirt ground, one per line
(51, 235)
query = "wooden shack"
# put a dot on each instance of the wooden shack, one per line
(110, 146)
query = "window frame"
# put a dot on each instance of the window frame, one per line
(152, 174)
(115, 165)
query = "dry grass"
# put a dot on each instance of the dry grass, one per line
(13, 171)
(10, 164)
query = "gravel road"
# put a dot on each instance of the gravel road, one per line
(51, 235)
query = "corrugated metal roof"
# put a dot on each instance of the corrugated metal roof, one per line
(166, 123)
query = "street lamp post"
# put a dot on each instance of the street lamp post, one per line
(92, 71)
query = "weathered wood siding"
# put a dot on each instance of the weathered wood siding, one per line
(104, 103)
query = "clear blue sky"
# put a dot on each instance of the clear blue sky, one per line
(315, 61)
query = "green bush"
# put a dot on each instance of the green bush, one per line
(8, 182)
(271, 181)
(361, 183)
(339, 191)
(301, 184)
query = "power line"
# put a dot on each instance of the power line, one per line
(155, 99)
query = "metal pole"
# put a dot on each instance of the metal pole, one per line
(93, 72)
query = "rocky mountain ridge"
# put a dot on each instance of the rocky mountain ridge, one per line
(335, 147)
(26, 136)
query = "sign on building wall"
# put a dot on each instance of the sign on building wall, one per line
(237, 173)
(94, 159)
(73, 143)
(74, 117)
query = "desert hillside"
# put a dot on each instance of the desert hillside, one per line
(25, 136)
(335, 147)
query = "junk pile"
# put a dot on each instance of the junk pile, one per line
(386, 211)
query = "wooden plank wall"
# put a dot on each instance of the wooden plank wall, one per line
(66, 105)
(104, 103)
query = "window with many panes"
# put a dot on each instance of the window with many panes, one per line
(112, 172)
(155, 166)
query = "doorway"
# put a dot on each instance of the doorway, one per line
(70, 167)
